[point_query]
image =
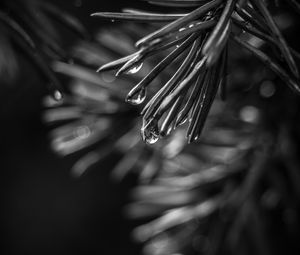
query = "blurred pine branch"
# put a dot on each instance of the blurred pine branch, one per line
(31, 26)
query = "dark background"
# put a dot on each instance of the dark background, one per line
(43, 209)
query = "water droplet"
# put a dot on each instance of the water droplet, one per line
(267, 89)
(137, 98)
(182, 121)
(82, 132)
(57, 95)
(150, 133)
(108, 77)
(135, 68)
(113, 20)
(249, 114)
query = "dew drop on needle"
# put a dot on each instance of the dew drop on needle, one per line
(57, 95)
(150, 133)
(135, 68)
(137, 98)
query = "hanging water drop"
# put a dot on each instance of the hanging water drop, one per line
(135, 68)
(181, 122)
(150, 133)
(150, 137)
(137, 98)
(57, 95)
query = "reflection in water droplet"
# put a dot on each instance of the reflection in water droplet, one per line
(150, 133)
(137, 98)
(135, 68)
(57, 95)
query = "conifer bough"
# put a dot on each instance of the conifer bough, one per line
(197, 42)
(30, 25)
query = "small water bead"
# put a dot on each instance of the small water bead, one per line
(267, 89)
(57, 95)
(182, 121)
(108, 77)
(135, 68)
(150, 133)
(249, 114)
(137, 98)
(82, 132)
